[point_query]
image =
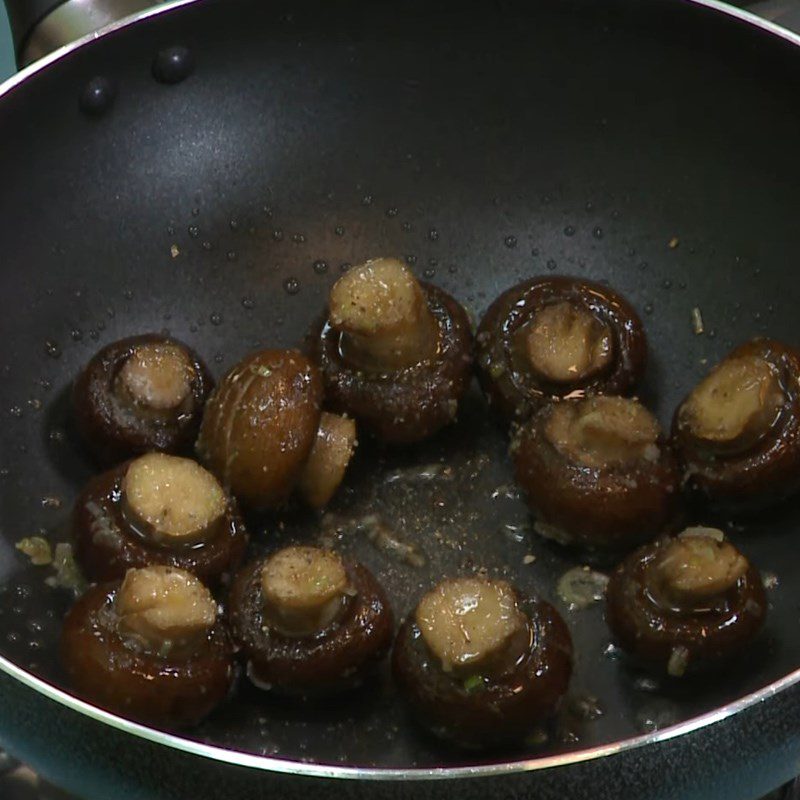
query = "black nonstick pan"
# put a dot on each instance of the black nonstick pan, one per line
(652, 145)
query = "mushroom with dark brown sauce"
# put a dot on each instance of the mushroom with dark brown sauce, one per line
(480, 664)
(738, 432)
(308, 622)
(157, 509)
(264, 433)
(549, 338)
(151, 648)
(394, 353)
(597, 472)
(141, 394)
(685, 604)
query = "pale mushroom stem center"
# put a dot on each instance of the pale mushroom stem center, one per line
(304, 590)
(604, 431)
(735, 405)
(164, 610)
(156, 376)
(171, 500)
(697, 566)
(564, 343)
(383, 316)
(468, 623)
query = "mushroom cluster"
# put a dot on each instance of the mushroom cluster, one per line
(178, 598)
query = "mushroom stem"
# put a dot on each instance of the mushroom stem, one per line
(164, 609)
(563, 343)
(383, 315)
(699, 565)
(171, 500)
(735, 405)
(604, 431)
(304, 589)
(331, 453)
(467, 623)
(156, 377)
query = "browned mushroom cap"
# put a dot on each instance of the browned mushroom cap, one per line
(308, 622)
(395, 353)
(141, 394)
(597, 472)
(157, 509)
(151, 648)
(738, 431)
(260, 425)
(685, 604)
(549, 338)
(481, 664)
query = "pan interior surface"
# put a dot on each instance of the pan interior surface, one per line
(649, 145)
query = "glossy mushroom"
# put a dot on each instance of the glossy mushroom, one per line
(395, 353)
(480, 664)
(264, 433)
(597, 472)
(157, 509)
(140, 394)
(685, 604)
(549, 338)
(308, 622)
(150, 647)
(738, 432)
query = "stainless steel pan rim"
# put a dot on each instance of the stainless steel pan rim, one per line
(284, 766)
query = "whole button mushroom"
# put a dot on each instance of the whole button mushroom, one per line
(151, 647)
(550, 338)
(685, 604)
(308, 622)
(395, 353)
(157, 509)
(140, 394)
(480, 664)
(738, 431)
(264, 433)
(597, 472)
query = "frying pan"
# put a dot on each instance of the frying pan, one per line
(652, 145)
